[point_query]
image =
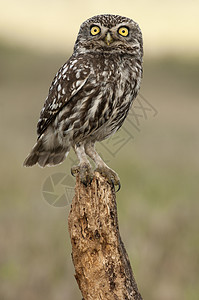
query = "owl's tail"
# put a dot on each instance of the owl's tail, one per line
(44, 154)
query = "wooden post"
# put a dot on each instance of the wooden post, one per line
(102, 266)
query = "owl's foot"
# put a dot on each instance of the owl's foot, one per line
(84, 171)
(112, 176)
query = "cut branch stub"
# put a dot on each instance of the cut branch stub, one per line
(101, 262)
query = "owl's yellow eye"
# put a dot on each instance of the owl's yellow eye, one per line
(95, 30)
(123, 31)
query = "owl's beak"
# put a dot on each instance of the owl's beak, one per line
(108, 39)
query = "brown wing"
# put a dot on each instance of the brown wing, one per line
(70, 78)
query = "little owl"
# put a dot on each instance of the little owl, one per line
(90, 95)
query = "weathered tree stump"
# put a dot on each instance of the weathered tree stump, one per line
(101, 262)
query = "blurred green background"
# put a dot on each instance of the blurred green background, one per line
(158, 165)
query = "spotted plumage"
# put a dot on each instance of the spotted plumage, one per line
(91, 94)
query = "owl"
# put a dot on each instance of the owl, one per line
(90, 95)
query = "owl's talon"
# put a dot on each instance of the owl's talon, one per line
(112, 182)
(119, 187)
(75, 170)
(110, 175)
(84, 171)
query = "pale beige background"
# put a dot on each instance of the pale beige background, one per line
(168, 26)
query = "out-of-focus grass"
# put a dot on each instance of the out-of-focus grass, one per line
(157, 205)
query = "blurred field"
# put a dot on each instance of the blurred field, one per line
(157, 205)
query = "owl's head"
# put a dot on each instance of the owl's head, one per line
(110, 33)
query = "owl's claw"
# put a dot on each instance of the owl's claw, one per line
(84, 171)
(75, 170)
(119, 187)
(110, 175)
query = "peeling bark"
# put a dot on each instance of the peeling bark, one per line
(101, 262)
